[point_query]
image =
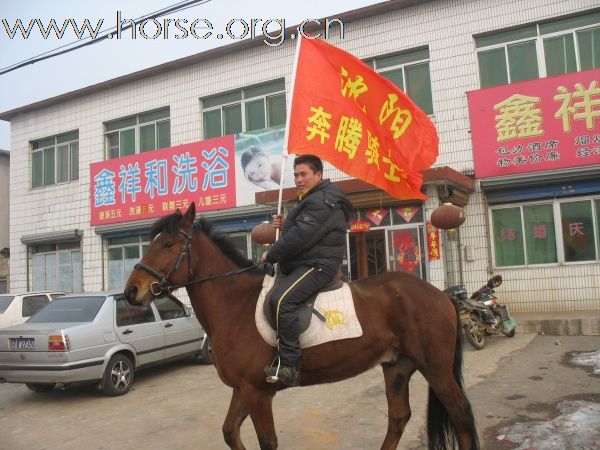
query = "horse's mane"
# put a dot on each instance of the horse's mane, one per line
(170, 225)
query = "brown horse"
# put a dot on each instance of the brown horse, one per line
(407, 325)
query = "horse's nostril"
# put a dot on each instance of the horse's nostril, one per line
(131, 292)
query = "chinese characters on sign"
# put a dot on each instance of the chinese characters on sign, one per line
(359, 121)
(152, 184)
(433, 241)
(550, 123)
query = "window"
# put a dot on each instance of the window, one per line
(246, 246)
(128, 314)
(561, 46)
(56, 267)
(137, 134)
(33, 303)
(55, 160)
(70, 309)
(410, 72)
(551, 232)
(123, 254)
(251, 108)
(169, 309)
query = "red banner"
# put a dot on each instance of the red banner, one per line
(433, 241)
(535, 125)
(362, 123)
(152, 184)
(360, 226)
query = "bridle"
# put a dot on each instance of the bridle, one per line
(163, 286)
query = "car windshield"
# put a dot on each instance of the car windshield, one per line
(69, 309)
(5, 301)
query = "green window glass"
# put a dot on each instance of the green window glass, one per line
(37, 169)
(212, 123)
(395, 76)
(232, 119)
(62, 169)
(559, 53)
(49, 166)
(539, 234)
(522, 61)
(74, 160)
(492, 67)
(418, 86)
(578, 231)
(589, 48)
(164, 134)
(508, 237)
(147, 138)
(255, 115)
(127, 142)
(276, 110)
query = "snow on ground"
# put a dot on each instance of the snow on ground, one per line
(588, 359)
(577, 427)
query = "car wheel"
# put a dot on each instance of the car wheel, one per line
(40, 387)
(118, 376)
(205, 355)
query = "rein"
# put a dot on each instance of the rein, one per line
(163, 286)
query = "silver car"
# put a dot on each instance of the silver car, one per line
(98, 338)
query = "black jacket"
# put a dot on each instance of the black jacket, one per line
(314, 232)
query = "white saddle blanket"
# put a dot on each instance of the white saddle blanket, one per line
(337, 307)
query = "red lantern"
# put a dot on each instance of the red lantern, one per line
(263, 233)
(447, 216)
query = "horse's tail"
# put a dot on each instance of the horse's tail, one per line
(440, 431)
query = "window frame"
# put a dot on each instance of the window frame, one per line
(410, 63)
(539, 38)
(136, 127)
(244, 99)
(57, 141)
(142, 241)
(72, 247)
(594, 200)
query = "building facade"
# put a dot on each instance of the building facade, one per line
(524, 223)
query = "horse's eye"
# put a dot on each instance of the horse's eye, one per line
(169, 244)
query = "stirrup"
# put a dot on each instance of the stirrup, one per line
(272, 379)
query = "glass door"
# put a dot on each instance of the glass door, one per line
(406, 250)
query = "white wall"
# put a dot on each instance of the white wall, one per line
(446, 27)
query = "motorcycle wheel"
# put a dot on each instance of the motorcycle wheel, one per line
(510, 333)
(475, 332)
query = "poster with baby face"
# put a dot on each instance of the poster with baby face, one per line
(258, 164)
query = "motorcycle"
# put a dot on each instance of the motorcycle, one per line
(481, 315)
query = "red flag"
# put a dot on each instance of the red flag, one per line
(362, 123)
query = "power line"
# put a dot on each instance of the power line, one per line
(106, 34)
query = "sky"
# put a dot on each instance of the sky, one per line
(116, 57)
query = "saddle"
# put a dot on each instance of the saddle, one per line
(306, 309)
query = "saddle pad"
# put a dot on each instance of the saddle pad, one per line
(337, 307)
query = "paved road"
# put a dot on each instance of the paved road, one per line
(182, 405)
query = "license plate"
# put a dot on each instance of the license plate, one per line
(21, 344)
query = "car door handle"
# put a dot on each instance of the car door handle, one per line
(168, 325)
(128, 331)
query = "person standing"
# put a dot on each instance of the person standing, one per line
(309, 252)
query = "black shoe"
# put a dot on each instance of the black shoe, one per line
(288, 375)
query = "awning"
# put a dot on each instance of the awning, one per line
(539, 185)
(52, 236)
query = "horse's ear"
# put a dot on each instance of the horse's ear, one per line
(190, 215)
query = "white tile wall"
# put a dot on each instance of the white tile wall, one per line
(445, 26)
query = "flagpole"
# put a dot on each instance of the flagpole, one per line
(286, 136)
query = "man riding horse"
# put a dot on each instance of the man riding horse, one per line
(309, 253)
